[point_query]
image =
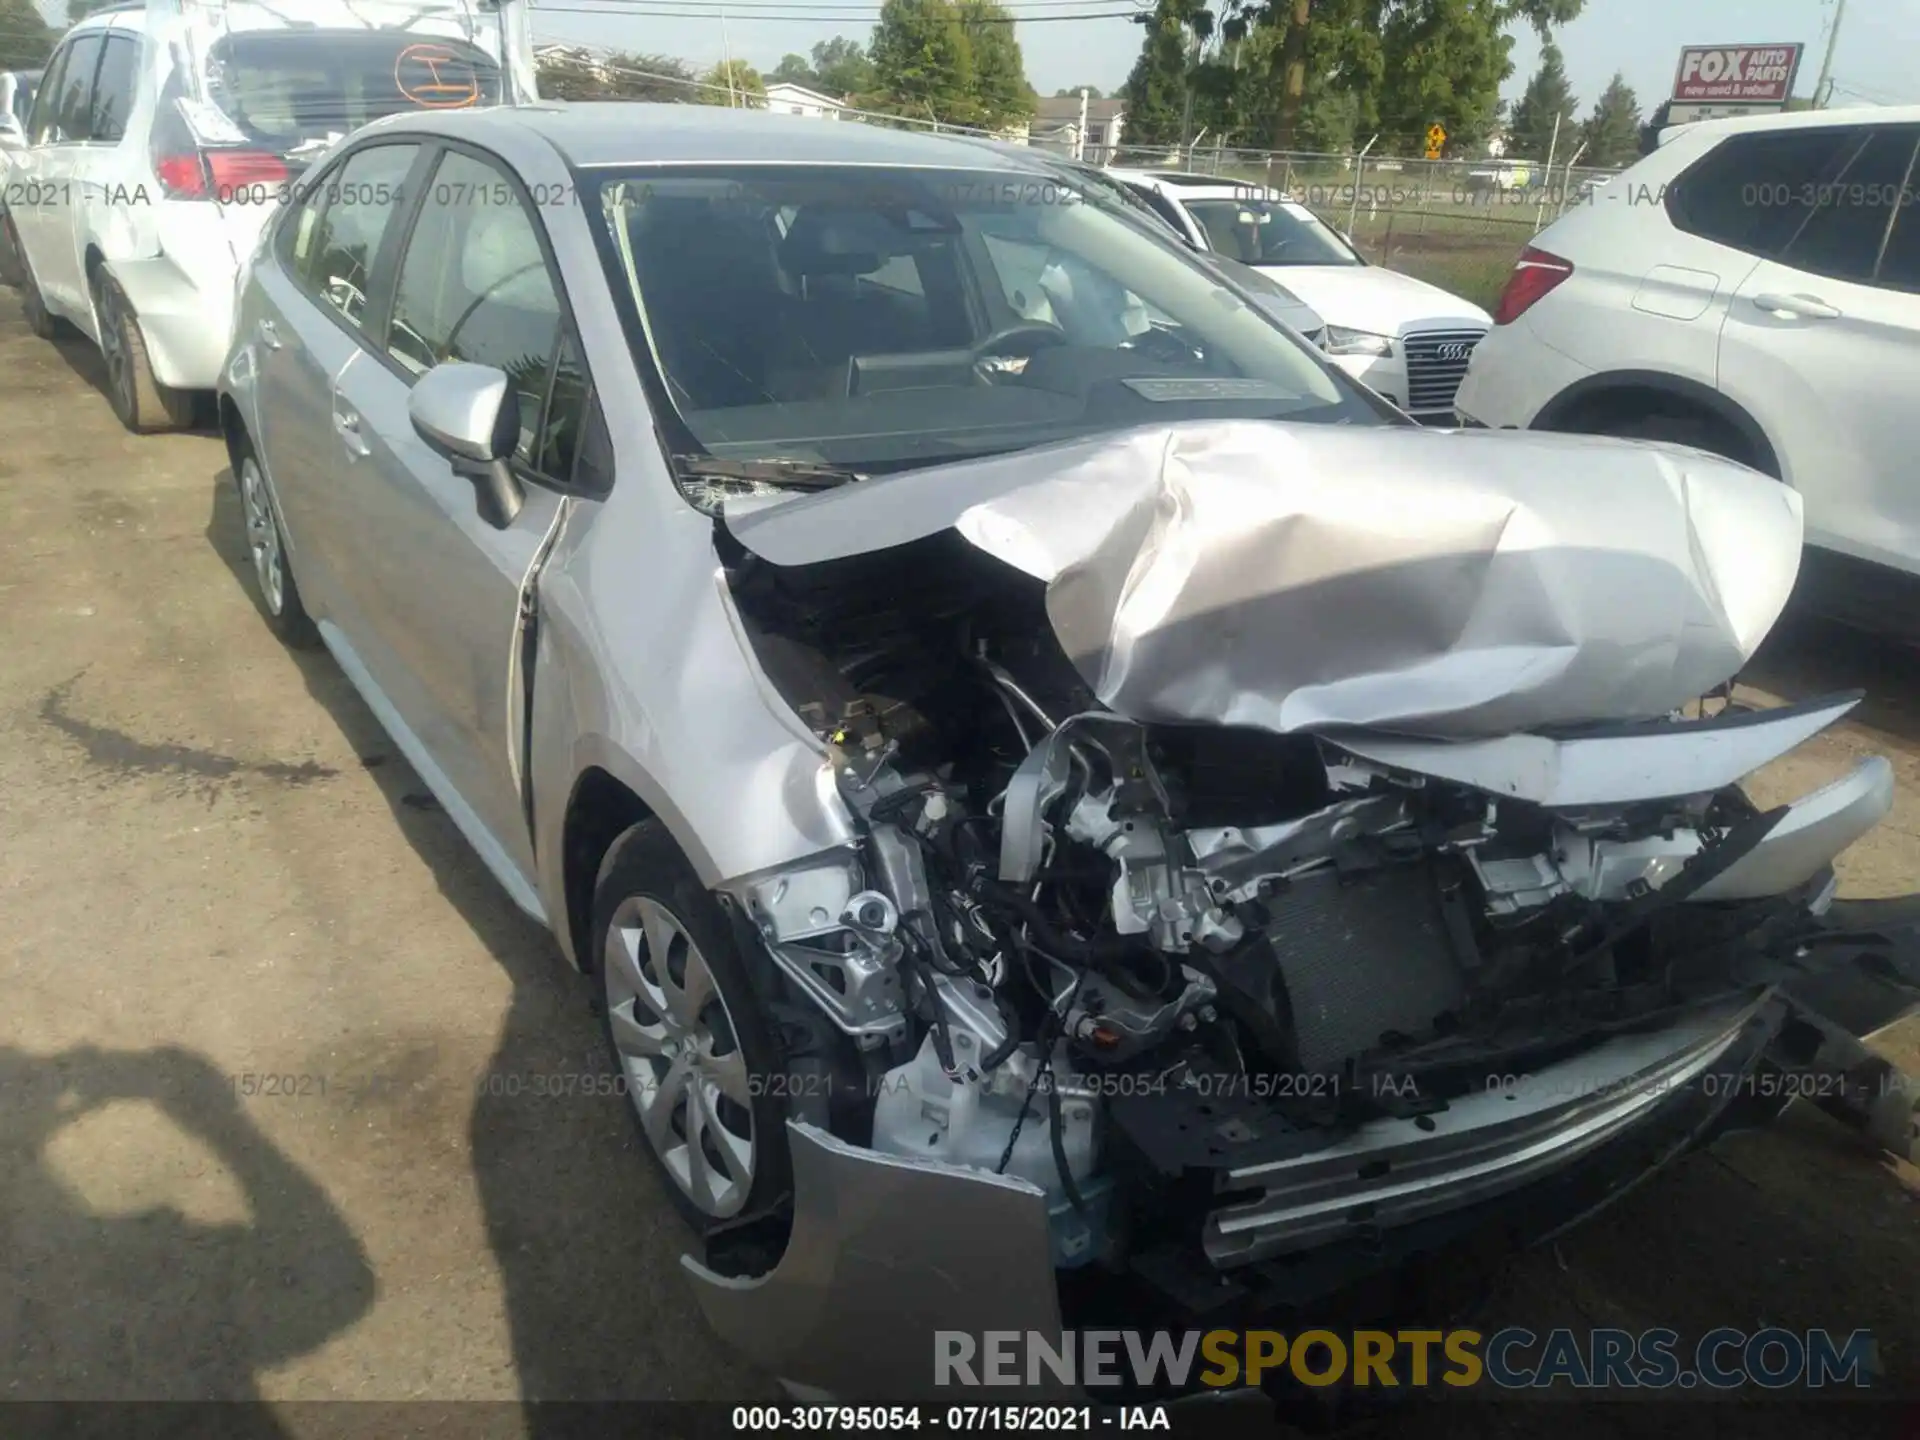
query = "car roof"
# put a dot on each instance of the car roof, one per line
(616, 133)
(1804, 120)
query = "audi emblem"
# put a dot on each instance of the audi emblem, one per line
(1453, 350)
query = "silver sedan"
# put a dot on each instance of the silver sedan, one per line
(1052, 781)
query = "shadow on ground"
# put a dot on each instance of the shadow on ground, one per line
(119, 1297)
(587, 1241)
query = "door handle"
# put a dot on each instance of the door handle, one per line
(269, 335)
(1805, 307)
(346, 424)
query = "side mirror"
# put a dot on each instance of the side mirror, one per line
(471, 415)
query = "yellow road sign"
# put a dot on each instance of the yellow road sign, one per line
(1436, 138)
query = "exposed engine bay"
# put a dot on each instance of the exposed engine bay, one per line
(1154, 969)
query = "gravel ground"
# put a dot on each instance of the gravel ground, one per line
(214, 866)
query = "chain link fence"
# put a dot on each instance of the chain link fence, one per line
(1457, 223)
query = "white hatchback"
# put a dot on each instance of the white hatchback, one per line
(1751, 288)
(1400, 337)
(164, 136)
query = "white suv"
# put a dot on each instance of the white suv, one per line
(1751, 288)
(1398, 336)
(162, 139)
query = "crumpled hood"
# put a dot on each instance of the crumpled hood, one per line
(1303, 577)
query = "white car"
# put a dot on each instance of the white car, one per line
(164, 136)
(1406, 339)
(16, 99)
(1751, 288)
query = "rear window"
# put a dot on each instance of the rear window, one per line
(290, 89)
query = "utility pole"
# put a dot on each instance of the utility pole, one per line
(1080, 136)
(1823, 90)
(1186, 114)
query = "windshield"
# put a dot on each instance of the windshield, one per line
(291, 88)
(1269, 232)
(884, 318)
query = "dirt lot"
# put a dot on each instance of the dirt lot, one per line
(213, 866)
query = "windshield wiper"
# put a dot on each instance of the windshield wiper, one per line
(787, 474)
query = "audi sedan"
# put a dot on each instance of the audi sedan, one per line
(1076, 811)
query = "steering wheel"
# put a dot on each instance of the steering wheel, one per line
(1038, 331)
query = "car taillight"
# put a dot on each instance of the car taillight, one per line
(1535, 274)
(187, 170)
(251, 175)
(182, 177)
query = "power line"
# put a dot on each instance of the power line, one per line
(1016, 9)
(615, 9)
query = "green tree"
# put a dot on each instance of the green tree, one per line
(78, 10)
(1442, 62)
(1332, 45)
(732, 82)
(1163, 80)
(1093, 92)
(922, 63)
(617, 76)
(25, 39)
(1547, 104)
(842, 67)
(1612, 132)
(1000, 90)
(794, 70)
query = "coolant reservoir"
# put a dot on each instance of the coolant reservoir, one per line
(921, 1114)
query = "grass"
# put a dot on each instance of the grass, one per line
(1468, 251)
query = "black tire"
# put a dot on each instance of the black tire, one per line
(1700, 431)
(144, 405)
(33, 305)
(9, 252)
(279, 602)
(644, 865)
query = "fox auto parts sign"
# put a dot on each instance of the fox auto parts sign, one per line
(1736, 74)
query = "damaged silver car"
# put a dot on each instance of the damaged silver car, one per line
(1077, 813)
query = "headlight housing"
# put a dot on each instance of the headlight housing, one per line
(1342, 341)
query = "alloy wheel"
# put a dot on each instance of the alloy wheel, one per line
(113, 348)
(682, 1064)
(263, 536)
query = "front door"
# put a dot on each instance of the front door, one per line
(437, 586)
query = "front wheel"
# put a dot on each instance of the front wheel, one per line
(689, 1035)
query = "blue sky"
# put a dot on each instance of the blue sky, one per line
(1641, 38)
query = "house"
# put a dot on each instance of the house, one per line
(786, 98)
(1057, 123)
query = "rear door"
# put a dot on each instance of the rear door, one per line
(110, 206)
(50, 168)
(306, 321)
(439, 586)
(1823, 343)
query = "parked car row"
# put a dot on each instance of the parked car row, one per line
(1065, 793)
(1406, 339)
(160, 140)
